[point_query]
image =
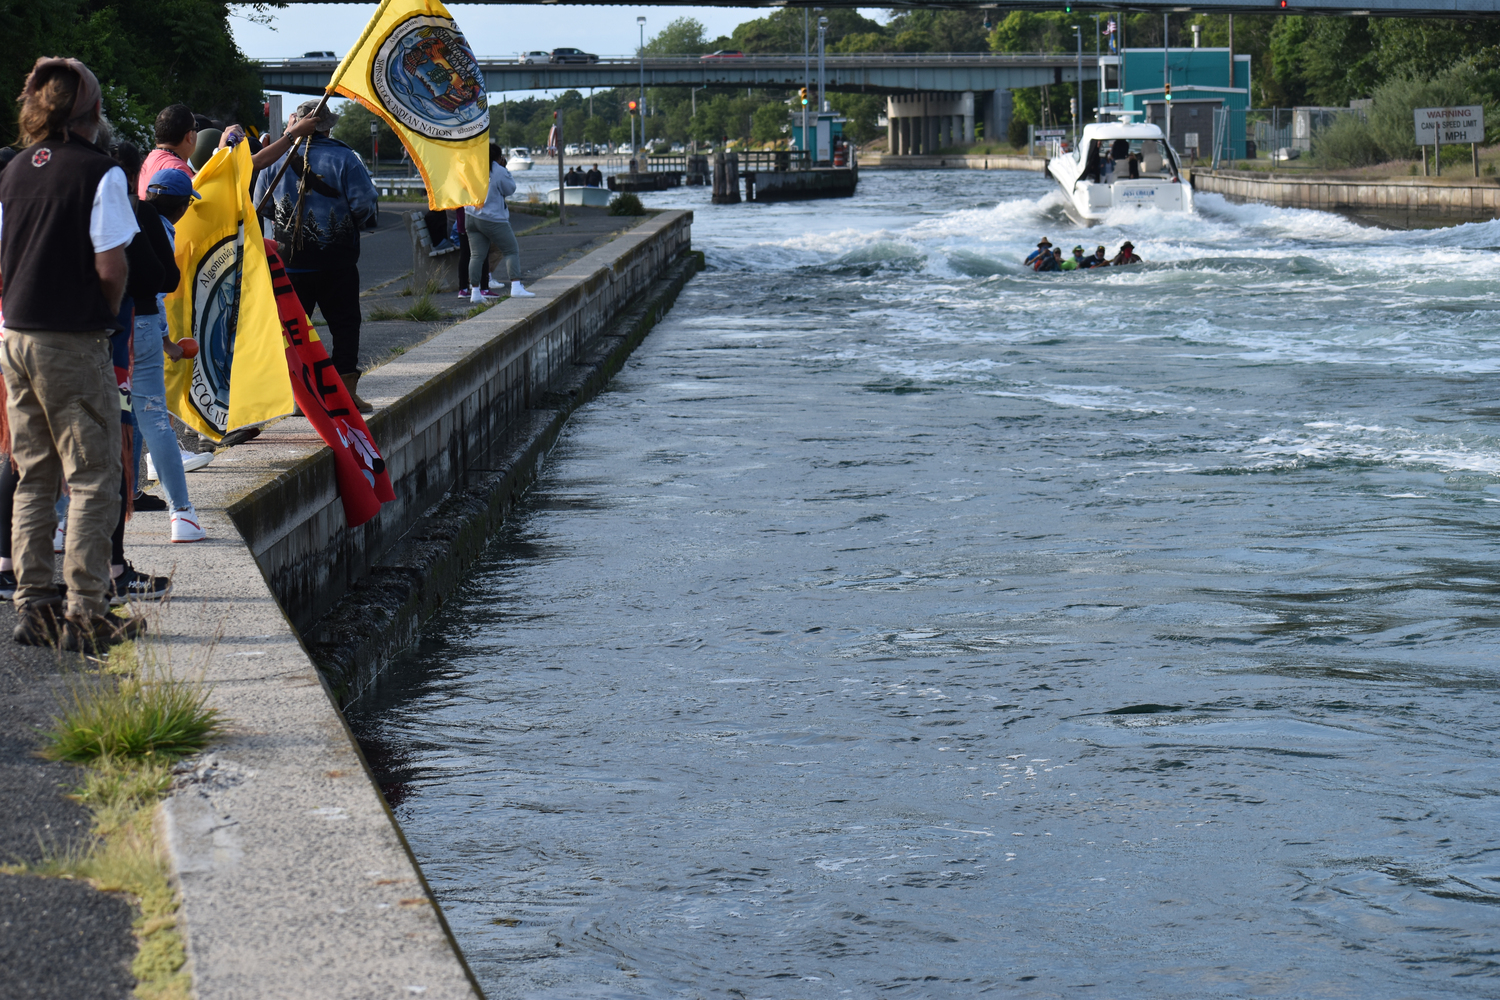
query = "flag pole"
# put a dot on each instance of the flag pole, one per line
(338, 74)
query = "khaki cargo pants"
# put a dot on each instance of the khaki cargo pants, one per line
(64, 409)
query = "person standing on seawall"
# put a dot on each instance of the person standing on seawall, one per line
(322, 260)
(65, 220)
(489, 226)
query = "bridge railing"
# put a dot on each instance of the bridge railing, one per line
(758, 58)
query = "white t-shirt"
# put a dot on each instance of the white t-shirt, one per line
(111, 220)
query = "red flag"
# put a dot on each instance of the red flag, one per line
(363, 482)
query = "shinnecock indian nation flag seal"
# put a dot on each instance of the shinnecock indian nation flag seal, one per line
(415, 69)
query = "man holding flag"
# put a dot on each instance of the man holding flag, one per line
(318, 207)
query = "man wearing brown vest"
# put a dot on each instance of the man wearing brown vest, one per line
(65, 219)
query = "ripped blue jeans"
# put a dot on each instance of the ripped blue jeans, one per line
(148, 400)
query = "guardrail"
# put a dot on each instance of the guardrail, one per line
(759, 58)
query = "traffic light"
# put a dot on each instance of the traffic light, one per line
(1169, 90)
(633, 106)
(803, 93)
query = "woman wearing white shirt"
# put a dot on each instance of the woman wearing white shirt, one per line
(489, 226)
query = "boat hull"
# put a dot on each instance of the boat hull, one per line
(589, 197)
(1088, 203)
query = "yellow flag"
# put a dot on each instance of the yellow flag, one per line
(415, 69)
(225, 302)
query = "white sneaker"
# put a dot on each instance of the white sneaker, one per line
(497, 286)
(192, 461)
(185, 526)
(476, 296)
(518, 291)
(60, 535)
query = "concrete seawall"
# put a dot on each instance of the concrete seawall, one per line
(996, 161)
(1400, 201)
(295, 879)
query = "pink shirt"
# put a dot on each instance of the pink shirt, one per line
(159, 159)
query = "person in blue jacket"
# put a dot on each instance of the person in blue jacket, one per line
(1044, 247)
(489, 227)
(322, 257)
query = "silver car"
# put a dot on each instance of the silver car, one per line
(537, 58)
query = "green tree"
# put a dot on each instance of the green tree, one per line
(683, 36)
(158, 52)
(863, 111)
(939, 31)
(782, 31)
(353, 130)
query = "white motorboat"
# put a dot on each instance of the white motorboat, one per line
(1120, 163)
(590, 197)
(518, 158)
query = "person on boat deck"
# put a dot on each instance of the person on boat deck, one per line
(1044, 247)
(1134, 162)
(1077, 262)
(1099, 259)
(1126, 255)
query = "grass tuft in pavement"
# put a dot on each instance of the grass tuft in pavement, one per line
(147, 714)
(422, 310)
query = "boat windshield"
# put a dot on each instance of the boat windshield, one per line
(1110, 160)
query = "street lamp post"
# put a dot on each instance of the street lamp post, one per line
(641, 22)
(1078, 100)
(374, 147)
(806, 74)
(822, 79)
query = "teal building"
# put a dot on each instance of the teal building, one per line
(1208, 104)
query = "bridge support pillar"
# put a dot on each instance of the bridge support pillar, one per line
(921, 124)
(998, 114)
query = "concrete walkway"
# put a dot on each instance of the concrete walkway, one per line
(63, 940)
(386, 263)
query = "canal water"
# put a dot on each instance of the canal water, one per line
(902, 623)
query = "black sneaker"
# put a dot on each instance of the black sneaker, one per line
(94, 636)
(133, 585)
(145, 502)
(41, 623)
(7, 583)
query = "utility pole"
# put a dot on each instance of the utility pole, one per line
(641, 21)
(1078, 99)
(822, 73)
(806, 71)
(562, 191)
(1166, 75)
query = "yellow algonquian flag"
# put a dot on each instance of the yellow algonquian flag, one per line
(415, 69)
(226, 303)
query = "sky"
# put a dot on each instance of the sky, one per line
(492, 29)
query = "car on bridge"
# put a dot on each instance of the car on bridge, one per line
(572, 56)
(315, 57)
(535, 58)
(726, 54)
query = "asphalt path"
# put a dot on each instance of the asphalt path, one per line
(59, 939)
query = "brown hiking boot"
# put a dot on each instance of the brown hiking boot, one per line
(351, 382)
(41, 623)
(95, 635)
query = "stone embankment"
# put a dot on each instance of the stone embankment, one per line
(1397, 201)
(296, 881)
(976, 161)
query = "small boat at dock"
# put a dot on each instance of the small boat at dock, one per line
(518, 158)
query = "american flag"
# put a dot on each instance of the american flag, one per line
(1109, 27)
